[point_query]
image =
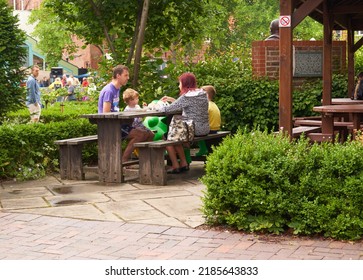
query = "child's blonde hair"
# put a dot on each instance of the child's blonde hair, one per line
(210, 90)
(129, 94)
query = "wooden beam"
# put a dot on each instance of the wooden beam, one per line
(285, 88)
(347, 9)
(357, 25)
(342, 20)
(304, 10)
(350, 48)
(358, 45)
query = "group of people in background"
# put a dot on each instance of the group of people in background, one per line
(33, 85)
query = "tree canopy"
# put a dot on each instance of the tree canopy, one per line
(175, 25)
(12, 57)
(111, 25)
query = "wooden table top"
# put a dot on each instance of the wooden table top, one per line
(129, 114)
(355, 108)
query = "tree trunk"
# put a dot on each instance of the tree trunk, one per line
(134, 38)
(140, 40)
(105, 30)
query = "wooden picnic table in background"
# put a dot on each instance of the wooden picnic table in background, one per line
(328, 112)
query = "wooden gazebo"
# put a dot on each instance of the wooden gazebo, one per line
(334, 15)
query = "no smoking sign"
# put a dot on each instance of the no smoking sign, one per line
(285, 21)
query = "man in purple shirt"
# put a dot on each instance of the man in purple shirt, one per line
(109, 102)
(110, 94)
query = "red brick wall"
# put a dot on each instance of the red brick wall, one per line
(265, 56)
(25, 4)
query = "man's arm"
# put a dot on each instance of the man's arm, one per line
(106, 107)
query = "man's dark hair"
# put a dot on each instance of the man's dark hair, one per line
(119, 69)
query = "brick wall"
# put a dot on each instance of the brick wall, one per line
(265, 57)
(25, 4)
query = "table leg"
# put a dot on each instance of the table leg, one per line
(356, 121)
(109, 151)
(327, 123)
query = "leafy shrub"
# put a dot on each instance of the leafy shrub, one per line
(263, 182)
(244, 101)
(28, 150)
(53, 113)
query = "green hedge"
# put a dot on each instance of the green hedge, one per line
(254, 103)
(28, 150)
(244, 101)
(262, 182)
(54, 112)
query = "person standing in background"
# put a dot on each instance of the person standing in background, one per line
(64, 80)
(274, 31)
(44, 82)
(85, 82)
(33, 95)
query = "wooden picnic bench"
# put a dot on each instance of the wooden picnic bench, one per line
(152, 158)
(70, 158)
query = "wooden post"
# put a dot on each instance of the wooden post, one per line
(351, 75)
(285, 91)
(327, 119)
(327, 54)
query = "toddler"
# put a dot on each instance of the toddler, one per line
(131, 98)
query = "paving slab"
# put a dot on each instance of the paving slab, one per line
(43, 182)
(83, 212)
(19, 192)
(184, 208)
(76, 198)
(23, 203)
(87, 187)
(160, 192)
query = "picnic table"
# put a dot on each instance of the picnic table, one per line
(328, 112)
(109, 140)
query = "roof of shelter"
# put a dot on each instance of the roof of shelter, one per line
(347, 13)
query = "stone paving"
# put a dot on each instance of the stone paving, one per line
(69, 220)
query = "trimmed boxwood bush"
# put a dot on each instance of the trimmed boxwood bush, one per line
(53, 113)
(28, 150)
(264, 182)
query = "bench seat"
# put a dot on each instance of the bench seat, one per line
(297, 131)
(77, 141)
(319, 123)
(152, 158)
(71, 164)
(70, 156)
